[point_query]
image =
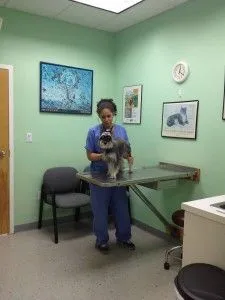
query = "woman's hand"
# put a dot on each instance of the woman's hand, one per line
(94, 156)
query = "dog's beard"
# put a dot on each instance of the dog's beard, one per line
(105, 145)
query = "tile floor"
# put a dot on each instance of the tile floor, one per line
(32, 267)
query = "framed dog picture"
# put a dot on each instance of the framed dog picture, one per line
(179, 119)
(65, 89)
(132, 104)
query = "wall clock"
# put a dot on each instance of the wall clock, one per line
(180, 71)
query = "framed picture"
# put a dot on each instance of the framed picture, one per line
(132, 102)
(179, 119)
(223, 112)
(65, 89)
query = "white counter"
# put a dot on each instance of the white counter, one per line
(203, 208)
(204, 232)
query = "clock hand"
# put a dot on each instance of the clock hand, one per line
(179, 70)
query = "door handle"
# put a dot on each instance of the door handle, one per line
(2, 154)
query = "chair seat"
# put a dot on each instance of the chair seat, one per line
(178, 218)
(71, 200)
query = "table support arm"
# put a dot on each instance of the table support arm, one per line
(139, 193)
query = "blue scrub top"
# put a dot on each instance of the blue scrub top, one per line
(92, 143)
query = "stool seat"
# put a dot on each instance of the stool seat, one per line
(201, 282)
(178, 217)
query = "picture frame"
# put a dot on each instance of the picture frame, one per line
(132, 104)
(223, 111)
(179, 119)
(65, 89)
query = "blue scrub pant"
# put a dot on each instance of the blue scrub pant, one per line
(116, 198)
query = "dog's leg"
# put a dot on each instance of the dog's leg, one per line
(130, 167)
(114, 174)
(120, 165)
(112, 171)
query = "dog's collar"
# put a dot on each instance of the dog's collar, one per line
(110, 130)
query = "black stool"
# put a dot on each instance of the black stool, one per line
(200, 282)
(178, 220)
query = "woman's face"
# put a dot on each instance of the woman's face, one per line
(106, 117)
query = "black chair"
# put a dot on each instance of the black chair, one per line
(62, 189)
(178, 220)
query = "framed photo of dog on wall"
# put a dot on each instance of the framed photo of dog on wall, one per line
(132, 104)
(179, 119)
(65, 89)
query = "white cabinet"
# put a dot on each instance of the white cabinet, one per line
(204, 232)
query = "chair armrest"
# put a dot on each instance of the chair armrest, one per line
(45, 192)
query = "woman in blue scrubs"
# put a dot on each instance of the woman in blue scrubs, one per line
(101, 197)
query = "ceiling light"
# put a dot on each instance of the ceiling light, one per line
(115, 6)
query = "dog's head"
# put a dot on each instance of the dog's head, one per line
(105, 140)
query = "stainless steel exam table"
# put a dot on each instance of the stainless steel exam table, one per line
(157, 177)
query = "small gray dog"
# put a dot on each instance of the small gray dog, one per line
(114, 152)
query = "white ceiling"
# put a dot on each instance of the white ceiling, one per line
(77, 13)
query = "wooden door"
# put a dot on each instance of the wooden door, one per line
(4, 151)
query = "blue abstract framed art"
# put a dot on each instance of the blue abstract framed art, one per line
(65, 89)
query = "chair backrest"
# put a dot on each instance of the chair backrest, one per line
(61, 180)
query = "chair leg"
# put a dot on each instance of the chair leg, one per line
(40, 213)
(55, 223)
(77, 214)
(168, 253)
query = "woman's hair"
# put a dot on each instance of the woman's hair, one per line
(106, 103)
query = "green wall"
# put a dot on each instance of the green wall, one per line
(25, 40)
(145, 55)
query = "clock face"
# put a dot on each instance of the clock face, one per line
(180, 71)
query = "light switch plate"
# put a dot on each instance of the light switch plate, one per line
(29, 137)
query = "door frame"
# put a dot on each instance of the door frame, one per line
(11, 148)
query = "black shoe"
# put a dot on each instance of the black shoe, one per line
(104, 248)
(128, 244)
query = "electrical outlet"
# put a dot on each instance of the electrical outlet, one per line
(39, 195)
